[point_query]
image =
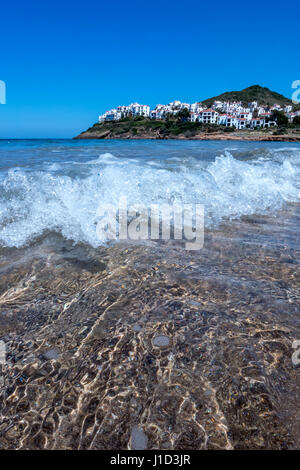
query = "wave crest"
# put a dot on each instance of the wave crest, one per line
(32, 202)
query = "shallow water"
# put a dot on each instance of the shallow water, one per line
(145, 344)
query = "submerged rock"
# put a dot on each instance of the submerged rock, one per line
(51, 354)
(139, 440)
(161, 341)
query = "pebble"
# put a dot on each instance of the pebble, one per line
(51, 354)
(137, 328)
(161, 340)
(139, 440)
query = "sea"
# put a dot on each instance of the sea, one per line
(58, 185)
(141, 343)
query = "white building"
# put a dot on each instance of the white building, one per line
(194, 117)
(175, 104)
(208, 116)
(218, 105)
(265, 115)
(139, 109)
(245, 115)
(222, 118)
(231, 121)
(111, 115)
(253, 105)
(241, 123)
(261, 110)
(134, 109)
(257, 122)
(276, 106)
(196, 107)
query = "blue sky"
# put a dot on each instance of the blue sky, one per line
(64, 62)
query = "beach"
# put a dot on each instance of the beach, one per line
(144, 344)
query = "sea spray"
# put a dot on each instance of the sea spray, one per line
(64, 197)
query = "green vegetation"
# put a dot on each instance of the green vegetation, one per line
(280, 118)
(296, 121)
(161, 129)
(178, 125)
(262, 95)
(174, 128)
(183, 115)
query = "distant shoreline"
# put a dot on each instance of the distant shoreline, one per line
(256, 138)
(140, 128)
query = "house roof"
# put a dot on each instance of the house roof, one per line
(209, 110)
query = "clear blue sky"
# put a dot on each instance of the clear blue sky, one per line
(64, 62)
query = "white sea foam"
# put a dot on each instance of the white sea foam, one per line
(54, 167)
(104, 157)
(33, 202)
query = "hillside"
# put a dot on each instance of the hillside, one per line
(262, 95)
(178, 128)
(145, 128)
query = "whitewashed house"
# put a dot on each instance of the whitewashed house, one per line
(158, 113)
(241, 123)
(208, 116)
(111, 115)
(265, 115)
(222, 119)
(245, 115)
(140, 109)
(194, 117)
(134, 109)
(123, 110)
(257, 122)
(276, 107)
(196, 107)
(253, 105)
(217, 105)
(231, 121)
(270, 124)
(175, 104)
(261, 111)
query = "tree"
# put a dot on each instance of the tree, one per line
(183, 115)
(280, 118)
(296, 121)
(170, 117)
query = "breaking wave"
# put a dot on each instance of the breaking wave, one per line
(33, 202)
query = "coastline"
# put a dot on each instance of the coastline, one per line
(216, 137)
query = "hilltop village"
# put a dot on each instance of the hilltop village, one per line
(254, 113)
(228, 114)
